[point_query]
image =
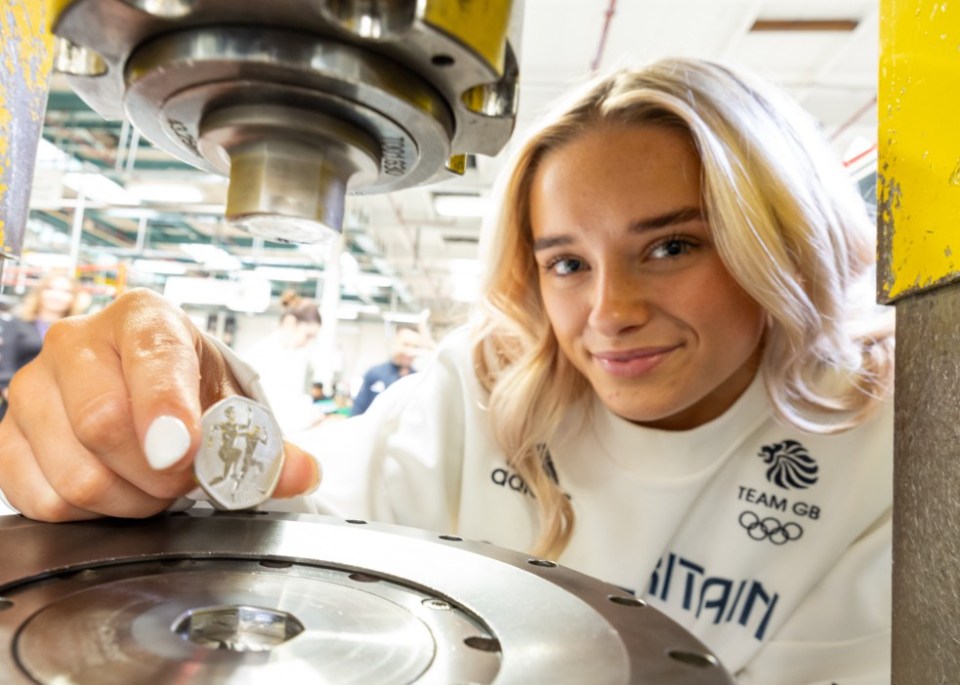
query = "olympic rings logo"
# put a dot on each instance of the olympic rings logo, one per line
(770, 528)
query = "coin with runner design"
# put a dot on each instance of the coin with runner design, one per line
(241, 453)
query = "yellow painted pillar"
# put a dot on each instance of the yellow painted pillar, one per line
(919, 146)
(26, 49)
(919, 271)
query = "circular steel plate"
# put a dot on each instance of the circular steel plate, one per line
(244, 597)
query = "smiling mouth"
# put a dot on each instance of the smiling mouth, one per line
(632, 363)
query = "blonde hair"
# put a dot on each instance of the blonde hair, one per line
(786, 220)
(30, 307)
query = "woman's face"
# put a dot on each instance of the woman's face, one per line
(306, 332)
(56, 298)
(635, 290)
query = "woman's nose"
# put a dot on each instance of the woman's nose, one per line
(620, 303)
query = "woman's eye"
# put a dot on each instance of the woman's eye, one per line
(672, 247)
(564, 266)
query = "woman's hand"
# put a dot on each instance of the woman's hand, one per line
(106, 420)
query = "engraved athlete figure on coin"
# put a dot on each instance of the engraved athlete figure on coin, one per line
(241, 455)
(252, 437)
(228, 451)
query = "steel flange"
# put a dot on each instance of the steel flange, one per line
(427, 82)
(229, 597)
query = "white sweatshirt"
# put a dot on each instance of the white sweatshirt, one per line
(771, 545)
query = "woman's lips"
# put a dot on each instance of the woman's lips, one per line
(629, 363)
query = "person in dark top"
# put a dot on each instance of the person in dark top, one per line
(56, 296)
(406, 344)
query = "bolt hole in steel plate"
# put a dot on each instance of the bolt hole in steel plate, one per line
(225, 597)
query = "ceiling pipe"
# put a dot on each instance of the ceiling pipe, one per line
(602, 45)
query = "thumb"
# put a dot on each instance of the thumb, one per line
(300, 475)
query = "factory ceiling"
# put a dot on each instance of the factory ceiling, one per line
(403, 255)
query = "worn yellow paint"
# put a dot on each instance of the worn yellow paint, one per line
(54, 8)
(25, 60)
(480, 24)
(919, 146)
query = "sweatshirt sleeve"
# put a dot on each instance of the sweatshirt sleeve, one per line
(400, 461)
(840, 634)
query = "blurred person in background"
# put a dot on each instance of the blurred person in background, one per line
(282, 359)
(407, 344)
(335, 406)
(319, 394)
(56, 296)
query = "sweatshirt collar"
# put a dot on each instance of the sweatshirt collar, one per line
(679, 454)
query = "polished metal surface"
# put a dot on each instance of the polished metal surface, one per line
(137, 617)
(241, 453)
(243, 597)
(176, 80)
(288, 162)
(425, 82)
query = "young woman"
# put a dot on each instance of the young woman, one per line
(672, 384)
(283, 361)
(54, 297)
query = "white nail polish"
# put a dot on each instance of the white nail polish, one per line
(166, 442)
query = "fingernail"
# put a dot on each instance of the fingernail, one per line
(316, 477)
(166, 442)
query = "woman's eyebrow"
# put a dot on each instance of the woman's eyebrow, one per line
(676, 216)
(551, 241)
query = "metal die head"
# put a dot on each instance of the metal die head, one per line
(466, 51)
(249, 597)
(179, 79)
(288, 163)
(241, 453)
(429, 80)
(332, 119)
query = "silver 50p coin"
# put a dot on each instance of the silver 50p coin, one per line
(241, 453)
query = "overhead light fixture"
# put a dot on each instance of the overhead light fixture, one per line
(46, 260)
(282, 274)
(167, 193)
(212, 257)
(372, 281)
(159, 266)
(461, 205)
(403, 317)
(132, 213)
(99, 188)
(49, 154)
(248, 293)
(350, 312)
(251, 294)
(804, 25)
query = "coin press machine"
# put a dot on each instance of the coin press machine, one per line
(298, 103)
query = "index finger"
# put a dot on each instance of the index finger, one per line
(159, 354)
(130, 379)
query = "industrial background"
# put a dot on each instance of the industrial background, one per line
(416, 249)
(852, 64)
